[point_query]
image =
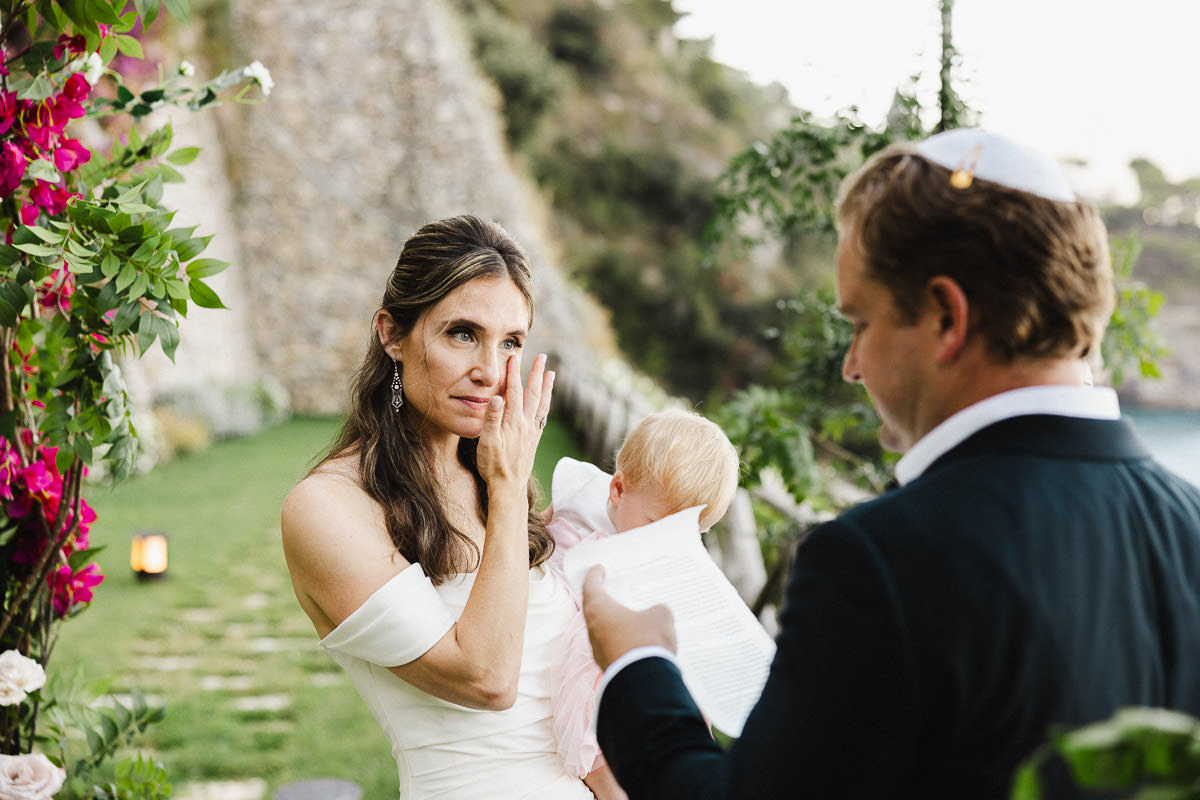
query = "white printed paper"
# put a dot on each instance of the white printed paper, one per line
(724, 652)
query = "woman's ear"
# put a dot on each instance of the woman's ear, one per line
(385, 328)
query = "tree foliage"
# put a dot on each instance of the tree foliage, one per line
(92, 267)
(784, 189)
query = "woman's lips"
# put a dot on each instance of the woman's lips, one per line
(476, 403)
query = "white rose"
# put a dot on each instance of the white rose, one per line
(260, 75)
(18, 675)
(93, 68)
(29, 777)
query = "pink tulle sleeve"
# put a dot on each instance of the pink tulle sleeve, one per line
(573, 681)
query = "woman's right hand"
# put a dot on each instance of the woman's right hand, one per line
(513, 423)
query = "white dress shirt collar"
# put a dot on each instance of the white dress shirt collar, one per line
(1066, 401)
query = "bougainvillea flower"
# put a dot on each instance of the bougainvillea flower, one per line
(9, 109)
(36, 479)
(55, 295)
(70, 154)
(19, 506)
(12, 168)
(10, 466)
(73, 45)
(72, 589)
(53, 199)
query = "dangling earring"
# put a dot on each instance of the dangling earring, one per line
(397, 388)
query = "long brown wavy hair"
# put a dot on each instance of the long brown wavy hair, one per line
(395, 462)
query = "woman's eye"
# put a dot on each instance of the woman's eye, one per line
(460, 335)
(511, 344)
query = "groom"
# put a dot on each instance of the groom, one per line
(1035, 569)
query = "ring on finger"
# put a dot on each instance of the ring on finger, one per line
(541, 422)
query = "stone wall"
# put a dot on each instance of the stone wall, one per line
(376, 126)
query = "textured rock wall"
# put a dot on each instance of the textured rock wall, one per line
(377, 124)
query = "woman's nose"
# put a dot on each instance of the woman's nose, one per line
(488, 368)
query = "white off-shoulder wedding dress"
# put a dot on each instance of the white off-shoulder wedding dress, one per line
(444, 750)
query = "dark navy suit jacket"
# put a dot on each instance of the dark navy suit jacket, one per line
(1043, 573)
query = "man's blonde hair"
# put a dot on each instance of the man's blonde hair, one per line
(686, 457)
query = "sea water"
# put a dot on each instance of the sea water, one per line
(1173, 437)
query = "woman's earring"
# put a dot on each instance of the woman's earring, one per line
(397, 388)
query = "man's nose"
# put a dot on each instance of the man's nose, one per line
(850, 371)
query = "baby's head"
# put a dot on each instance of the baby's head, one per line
(670, 461)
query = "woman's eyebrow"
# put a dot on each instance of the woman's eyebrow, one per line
(470, 324)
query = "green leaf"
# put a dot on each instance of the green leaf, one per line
(50, 237)
(79, 251)
(1026, 785)
(43, 170)
(102, 11)
(178, 9)
(206, 267)
(129, 46)
(40, 250)
(10, 255)
(139, 285)
(176, 289)
(147, 10)
(169, 174)
(188, 249)
(168, 337)
(108, 48)
(8, 314)
(183, 156)
(127, 276)
(127, 22)
(81, 558)
(109, 264)
(39, 89)
(203, 296)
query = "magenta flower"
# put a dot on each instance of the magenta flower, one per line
(9, 110)
(12, 168)
(77, 88)
(56, 295)
(52, 199)
(19, 506)
(73, 45)
(70, 154)
(73, 589)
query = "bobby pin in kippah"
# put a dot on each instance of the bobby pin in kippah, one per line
(964, 175)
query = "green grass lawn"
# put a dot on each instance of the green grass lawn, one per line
(220, 639)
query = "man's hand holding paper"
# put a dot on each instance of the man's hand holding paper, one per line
(723, 651)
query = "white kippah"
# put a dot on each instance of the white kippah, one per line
(973, 153)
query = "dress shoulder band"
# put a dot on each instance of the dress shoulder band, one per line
(397, 624)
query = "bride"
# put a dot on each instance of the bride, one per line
(414, 546)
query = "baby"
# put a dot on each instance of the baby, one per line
(671, 461)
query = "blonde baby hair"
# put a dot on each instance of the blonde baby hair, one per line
(685, 456)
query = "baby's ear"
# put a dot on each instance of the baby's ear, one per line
(616, 488)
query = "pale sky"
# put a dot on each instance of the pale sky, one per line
(1101, 80)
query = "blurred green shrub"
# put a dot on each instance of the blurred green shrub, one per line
(529, 80)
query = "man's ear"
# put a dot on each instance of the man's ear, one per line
(950, 313)
(616, 488)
